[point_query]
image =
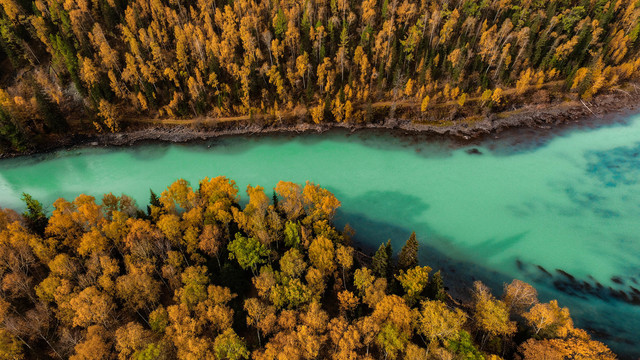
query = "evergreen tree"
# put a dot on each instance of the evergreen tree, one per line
(435, 288)
(11, 136)
(50, 112)
(154, 200)
(408, 257)
(275, 198)
(382, 262)
(36, 219)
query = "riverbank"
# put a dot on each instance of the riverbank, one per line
(502, 212)
(605, 107)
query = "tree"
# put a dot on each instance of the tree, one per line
(549, 320)
(292, 263)
(408, 256)
(261, 316)
(249, 252)
(291, 234)
(519, 296)
(131, 339)
(395, 320)
(108, 112)
(94, 346)
(138, 289)
(194, 289)
(382, 262)
(210, 241)
(10, 347)
(491, 315)
(319, 203)
(413, 282)
(578, 345)
(229, 345)
(435, 288)
(497, 96)
(291, 203)
(348, 301)
(322, 254)
(437, 322)
(36, 219)
(91, 306)
(344, 257)
(425, 104)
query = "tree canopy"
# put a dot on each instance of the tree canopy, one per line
(201, 276)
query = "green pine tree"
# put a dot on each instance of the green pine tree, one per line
(36, 219)
(435, 288)
(408, 257)
(382, 261)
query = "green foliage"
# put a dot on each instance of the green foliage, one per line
(464, 347)
(382, 262)
(290, 293)
(408, 256)
(53, 117)
(159, 319)
(391, 340)
(292, 234)
(36, 219)
(435, 288)
(229, 345)
(280, 24)
(194, 289)
(248, 251)
(11, 136)
(151, 352)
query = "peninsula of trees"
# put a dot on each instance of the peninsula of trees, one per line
(91, 64)
(198, 276)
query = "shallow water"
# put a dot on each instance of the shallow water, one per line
(571, 202)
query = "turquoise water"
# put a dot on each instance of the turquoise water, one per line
(570, 202)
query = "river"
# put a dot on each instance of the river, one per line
(494, 210)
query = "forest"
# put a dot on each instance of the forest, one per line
(92, 65)
(202, 274)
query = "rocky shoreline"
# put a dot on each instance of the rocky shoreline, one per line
(603, 108)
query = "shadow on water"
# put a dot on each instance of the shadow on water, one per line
(493, 246)
(527, 139)
(459, 270)
(26, 161)
(394, 204)
(459, 276)
(148, 152)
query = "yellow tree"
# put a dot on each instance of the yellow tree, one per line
(396, 323)
(519, 296)
(413, 282)
(549, 320)
(94, 347)
(491, 316)
(322, 255)
(437, 322)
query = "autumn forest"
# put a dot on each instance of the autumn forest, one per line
(197, 275)
(93, 65)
